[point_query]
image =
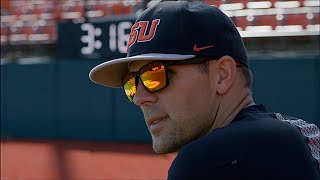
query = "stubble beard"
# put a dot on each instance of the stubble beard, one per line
(176, 138)
(170, 143)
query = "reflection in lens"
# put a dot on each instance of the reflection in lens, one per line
(151, 84)
(154, 79)
(130, 89)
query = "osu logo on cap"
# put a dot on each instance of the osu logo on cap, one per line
(139, 30)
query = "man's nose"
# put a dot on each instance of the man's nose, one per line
(143, 96)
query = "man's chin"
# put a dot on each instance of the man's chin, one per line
(158, 147)
(163, 148)
(162, 151)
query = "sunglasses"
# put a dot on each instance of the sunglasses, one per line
(154, 75)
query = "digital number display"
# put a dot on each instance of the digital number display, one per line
(94, 40)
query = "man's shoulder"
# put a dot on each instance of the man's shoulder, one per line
(250, 134)
(254, 133)
(256, 143)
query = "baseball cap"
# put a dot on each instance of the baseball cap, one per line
(175, 30)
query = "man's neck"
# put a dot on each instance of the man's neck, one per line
(228, 111)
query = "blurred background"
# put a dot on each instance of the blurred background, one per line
(57, 124)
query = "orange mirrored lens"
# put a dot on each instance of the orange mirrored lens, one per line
(130, 88)
(155, 78)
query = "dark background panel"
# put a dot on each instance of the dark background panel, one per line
(129, 123)
(57, 100)
(288, 85)
(84, 108)
(29, 99)
(4, 123)
(68, 40)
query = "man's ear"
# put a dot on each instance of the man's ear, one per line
(226, 72)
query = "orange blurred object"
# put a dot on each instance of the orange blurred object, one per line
(68, 160)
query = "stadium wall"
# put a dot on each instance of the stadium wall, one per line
(56, 100)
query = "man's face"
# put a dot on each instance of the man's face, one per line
(181, 112)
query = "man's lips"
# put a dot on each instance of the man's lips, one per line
(156, 122)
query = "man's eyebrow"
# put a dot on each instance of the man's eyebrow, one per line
(130, 71)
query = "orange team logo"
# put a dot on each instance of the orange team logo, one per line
(139, 31)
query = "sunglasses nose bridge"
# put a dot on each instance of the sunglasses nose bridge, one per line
(136, 79)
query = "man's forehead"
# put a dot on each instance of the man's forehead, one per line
(134, 66)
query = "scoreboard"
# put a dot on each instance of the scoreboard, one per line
(104, 39)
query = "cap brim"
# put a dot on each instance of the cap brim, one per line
(110, 73)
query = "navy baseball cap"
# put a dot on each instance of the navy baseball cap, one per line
(175, 30)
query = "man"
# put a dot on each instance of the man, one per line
(187, 69)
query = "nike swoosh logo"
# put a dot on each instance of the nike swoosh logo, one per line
(195, 48)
